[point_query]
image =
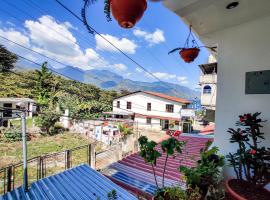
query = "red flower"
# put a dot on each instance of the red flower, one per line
(253, 152)
(241, 118)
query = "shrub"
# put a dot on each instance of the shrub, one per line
(13, 135)
(207, 171)
(250, 162)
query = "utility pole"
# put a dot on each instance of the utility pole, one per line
(24, 140)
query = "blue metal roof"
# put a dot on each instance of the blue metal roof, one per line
(79, 183)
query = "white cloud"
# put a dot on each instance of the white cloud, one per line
(15, 36)
(152, 38)
(165, 76)
(119, 67)
(139, 70)
(55, 40)
(126, 45)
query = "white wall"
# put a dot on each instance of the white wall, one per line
(242, 48)
(209, 99)
(139, 105)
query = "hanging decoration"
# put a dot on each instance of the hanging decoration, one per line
(126, 12)
(191, 49)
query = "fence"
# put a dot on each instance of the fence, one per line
(39, 167)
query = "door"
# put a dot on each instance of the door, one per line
(165, 124)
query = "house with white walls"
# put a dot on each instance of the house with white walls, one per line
(8, 106)
(150, 110)
(241, 32)
(208, 83)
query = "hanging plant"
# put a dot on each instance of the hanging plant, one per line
(191, 49)
(126, 12)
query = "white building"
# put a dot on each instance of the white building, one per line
(150, 110)
(242, 36)
(8, 106)
(208, 83)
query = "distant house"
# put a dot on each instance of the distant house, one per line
(8, 104)
(208, 83)
(150, 110)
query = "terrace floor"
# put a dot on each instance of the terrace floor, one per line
(135, 175)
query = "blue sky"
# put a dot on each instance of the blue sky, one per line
(50, 30)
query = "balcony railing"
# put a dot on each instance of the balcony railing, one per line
(208, 79)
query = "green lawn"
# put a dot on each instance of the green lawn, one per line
(12, 152)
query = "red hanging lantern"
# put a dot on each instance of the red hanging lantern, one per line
(128, 12)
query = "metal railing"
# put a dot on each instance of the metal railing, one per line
(42, 166)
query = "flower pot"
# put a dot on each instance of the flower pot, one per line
(189, 54)
(128, 12)
(232, 194)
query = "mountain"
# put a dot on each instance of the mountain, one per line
(106, 79)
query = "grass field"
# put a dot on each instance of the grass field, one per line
(12, 152)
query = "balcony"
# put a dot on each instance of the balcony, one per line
(208, 79)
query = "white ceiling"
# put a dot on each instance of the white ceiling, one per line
(208, 16)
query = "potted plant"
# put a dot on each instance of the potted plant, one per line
(149, 153)
(126, 12)
(189, 52)
(250, 162)
(207, 172)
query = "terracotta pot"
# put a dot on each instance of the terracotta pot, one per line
(189, 55)
(128, 12)
(232, 194)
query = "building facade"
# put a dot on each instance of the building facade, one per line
(8, 105)
(208, 83)
(150, 110)
(242, 37)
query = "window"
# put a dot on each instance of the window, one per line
(207, 89)
(169, 108)
(7, 113)
(176, 123)
(128, 105)
(148, 120)
(184, 106)
(149, 106)
(118, 104)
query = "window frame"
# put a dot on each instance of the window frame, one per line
(169, 108)
(149, 106)
(118, 104)
(129, 105)
(148, 120)
(207, 89)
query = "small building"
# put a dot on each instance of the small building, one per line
(150, 110)
(8, 106)
(208, 83)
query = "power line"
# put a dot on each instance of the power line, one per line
(113, 45)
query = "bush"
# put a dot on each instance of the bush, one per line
(13, 135)
(207, 171)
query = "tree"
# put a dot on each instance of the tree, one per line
(7, 59)
(44, 87)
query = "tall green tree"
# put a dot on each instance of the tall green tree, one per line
(7, 59)
(44, 86)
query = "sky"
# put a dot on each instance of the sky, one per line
(47, 28)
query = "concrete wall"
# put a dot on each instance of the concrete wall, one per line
(242, 48)
(209, 99)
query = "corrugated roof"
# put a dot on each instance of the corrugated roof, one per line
(161, 95)
(133, 173)
(79, 183)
